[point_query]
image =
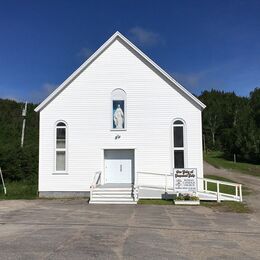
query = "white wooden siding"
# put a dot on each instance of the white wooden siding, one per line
(85, 105)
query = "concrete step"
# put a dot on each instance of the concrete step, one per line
(114, 189)
(110, 192)
(112, 195)
(113, 202)
(105, 195)
(111, 198)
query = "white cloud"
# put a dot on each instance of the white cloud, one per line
(188, 79)
(41, 93)
(202, 78)
(145, 37)
(48, 87)
(85, 53)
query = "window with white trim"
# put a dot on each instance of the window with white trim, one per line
(178, 144)
(61, 147)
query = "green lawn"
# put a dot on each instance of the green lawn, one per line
(227, 206)
(19, 190)
(224, 206)
(155, 202)
(225, 188)
(216, 159)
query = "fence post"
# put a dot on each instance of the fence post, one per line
(206, 185)
(240, 192)
(236, 190)
(218, 197)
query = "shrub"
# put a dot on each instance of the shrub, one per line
(186, 196)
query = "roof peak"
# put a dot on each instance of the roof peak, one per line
(97, 53)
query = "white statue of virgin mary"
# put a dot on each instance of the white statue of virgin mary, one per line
(119, 117)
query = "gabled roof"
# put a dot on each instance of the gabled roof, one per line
(119, 36)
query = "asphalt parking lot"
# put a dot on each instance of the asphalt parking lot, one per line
(73, 229)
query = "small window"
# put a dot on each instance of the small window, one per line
(60, 160)
(61, 138)
(178, 136)
(178, 122)
(61, 124)
(178, 144)
(61, 146)
(178, 159)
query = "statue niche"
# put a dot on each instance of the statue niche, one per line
(118, 114)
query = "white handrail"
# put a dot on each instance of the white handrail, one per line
(156, 173)
(165, 175)
(222, 182)
(236, 196)
(94, 182)
(157, 187)
(238, 187)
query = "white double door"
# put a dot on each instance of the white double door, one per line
(118, 171)
(118, 167)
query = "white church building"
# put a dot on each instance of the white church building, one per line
(117, 128)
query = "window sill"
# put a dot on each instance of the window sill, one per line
(117, 130)
(60, 173)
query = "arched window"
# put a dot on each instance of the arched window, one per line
(61, 147)
(118, 109)
(178, 144)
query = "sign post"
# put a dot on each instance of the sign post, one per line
(185, 180)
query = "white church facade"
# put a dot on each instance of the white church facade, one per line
(117, 128)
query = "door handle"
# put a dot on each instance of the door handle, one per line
(120, 167)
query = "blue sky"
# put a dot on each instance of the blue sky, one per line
(203, 44)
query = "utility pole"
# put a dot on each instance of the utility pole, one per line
(24, 111)
(204, 144)
(2, 178)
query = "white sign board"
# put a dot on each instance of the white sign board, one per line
(185, 180)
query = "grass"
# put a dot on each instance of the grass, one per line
(225, 188)
(216, 159)
(19, 190)
(224, 206)
(155, 202)
(227, 206)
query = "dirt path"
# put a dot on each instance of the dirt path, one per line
(252, 182)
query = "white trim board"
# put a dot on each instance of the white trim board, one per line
(118, 35)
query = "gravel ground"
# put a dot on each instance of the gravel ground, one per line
(73, 229)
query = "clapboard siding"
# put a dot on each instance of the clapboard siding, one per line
(85, 105)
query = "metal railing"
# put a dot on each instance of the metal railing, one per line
(168, 186)
(164, 176)
(220, 195)
(95, 182)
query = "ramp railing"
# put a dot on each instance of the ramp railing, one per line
(156, 181)
(164, 181)
(218, 188)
